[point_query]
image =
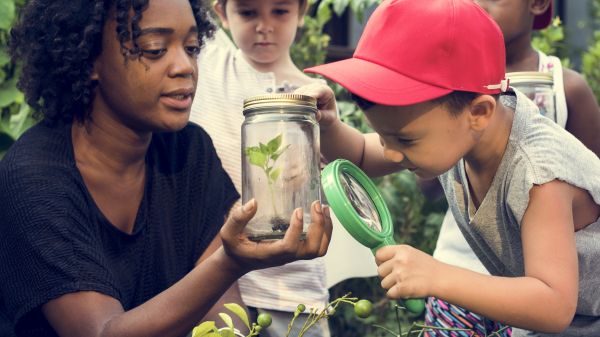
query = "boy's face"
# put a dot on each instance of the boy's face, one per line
(263, 29)
(424, 137)
(153, 92)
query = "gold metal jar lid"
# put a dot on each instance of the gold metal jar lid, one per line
(279, 101)
(530, 77)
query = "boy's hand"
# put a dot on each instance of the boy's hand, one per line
(326, 104)
(251, 255)
(406, 272)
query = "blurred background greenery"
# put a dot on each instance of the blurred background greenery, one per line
(416, 219)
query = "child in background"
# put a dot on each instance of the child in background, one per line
(263, 30)
(525, 192)
(576, 109)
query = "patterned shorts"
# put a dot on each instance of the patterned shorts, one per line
(445, 315)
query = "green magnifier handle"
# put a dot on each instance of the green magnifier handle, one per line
(414, 305)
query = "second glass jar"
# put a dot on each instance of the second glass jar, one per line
(280, 161)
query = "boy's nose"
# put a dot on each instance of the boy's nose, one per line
(264, 26)
(393, 155)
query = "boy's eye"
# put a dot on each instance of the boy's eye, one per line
(247, 13)
(154, 53)
(280, 11)
(405, 141)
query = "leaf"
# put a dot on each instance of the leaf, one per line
(7, 14)
(339, 7)
(239, 312)
(9, 93)
(4, 57)
(275, 174)
(226, 332)
(276, 155)
(263, 148)
(274, 144)
(257, 158)
(204, 328)
(227, 319)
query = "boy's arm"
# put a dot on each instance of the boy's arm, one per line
(584, 114)
(339, 140)
(543, 300)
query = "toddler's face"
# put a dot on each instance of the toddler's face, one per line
(425, 138)
(263, 29)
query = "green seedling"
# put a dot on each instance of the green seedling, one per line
(265, 156)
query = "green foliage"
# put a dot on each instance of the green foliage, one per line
(551, 41)
(15, 115)
(591, 57)
(265, 157)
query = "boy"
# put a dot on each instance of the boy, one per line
(576, 110)
(524, 191)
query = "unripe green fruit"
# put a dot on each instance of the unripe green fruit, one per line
(264, 320)
(363, 308)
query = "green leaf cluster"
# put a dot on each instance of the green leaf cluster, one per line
(265, 156)
(15, 115)
(210, 329)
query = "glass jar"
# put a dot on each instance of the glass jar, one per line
(280, 161)
(538, 86)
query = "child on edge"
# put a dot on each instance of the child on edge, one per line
(525, 192)
(576, 110)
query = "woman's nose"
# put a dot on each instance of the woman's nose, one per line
(183, 64)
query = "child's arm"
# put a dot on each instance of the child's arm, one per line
(339, 140)
(544, 299)
(584, 113)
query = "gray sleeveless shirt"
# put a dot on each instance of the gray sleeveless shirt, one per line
(538, 152)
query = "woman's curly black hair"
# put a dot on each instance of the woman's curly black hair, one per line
(58, 41)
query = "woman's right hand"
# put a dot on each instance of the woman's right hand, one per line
(326, 105)
(250, 255)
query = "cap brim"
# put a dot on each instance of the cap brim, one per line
(378, 84)
(543, 20)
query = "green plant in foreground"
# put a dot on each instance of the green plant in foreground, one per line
(362, 309)
(265, 157)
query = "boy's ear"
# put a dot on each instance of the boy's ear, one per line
(481, 111)
(221, 14)
(538, 7)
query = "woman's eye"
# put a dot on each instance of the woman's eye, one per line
(154, 53)
(193, 50)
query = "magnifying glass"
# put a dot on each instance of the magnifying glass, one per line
(361, 209)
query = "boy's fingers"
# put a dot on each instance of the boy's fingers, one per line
(385, 269)
(384, 253)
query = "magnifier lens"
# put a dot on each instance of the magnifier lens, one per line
(362, 203)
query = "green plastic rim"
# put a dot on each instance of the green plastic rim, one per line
(344, 210)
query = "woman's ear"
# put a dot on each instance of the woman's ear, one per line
(94, 75)
(539, 7)
(481, 111)
(221, 14)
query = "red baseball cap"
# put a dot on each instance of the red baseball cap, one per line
(543, 20)
(413, 51)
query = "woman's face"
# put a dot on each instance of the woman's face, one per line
(154, 92)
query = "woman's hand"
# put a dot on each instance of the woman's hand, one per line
(326, 105)
(406, 272)
(251, 255)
